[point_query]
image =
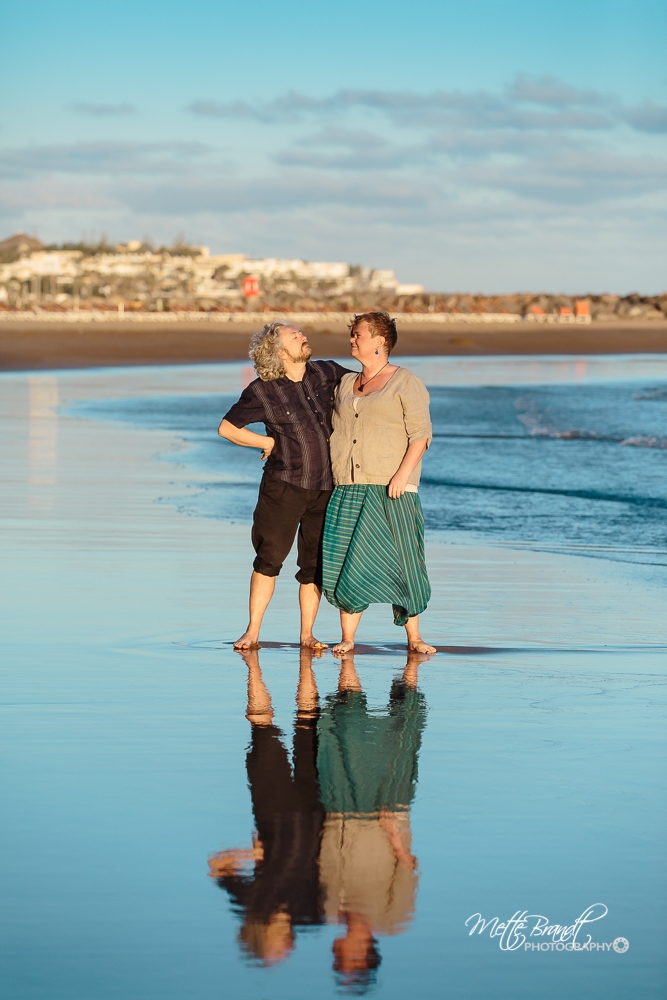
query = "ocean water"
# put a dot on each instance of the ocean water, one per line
(578, 465)
(451, 828)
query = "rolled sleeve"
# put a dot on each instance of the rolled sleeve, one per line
(248, 410)
(415, 400)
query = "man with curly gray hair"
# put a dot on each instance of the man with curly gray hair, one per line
(293, 397)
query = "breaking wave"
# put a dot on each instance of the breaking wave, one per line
(660, 502)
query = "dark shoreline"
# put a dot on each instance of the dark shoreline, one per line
(29, 346)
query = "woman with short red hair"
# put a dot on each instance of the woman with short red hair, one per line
(373, 544)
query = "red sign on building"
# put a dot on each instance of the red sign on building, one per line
(250, 287)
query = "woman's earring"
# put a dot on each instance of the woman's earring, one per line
(377, 352)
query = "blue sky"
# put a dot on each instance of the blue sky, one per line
(478, 147)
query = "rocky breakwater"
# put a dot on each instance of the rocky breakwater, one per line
(464, 308)
(537, 307)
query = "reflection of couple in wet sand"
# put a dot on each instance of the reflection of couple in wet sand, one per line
(332, 841)
(343, 458)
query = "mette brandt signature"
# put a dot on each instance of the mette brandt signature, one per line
(535, 925)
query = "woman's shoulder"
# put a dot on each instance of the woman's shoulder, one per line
(347, 380)
(407, 379)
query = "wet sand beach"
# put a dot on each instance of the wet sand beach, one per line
(42, 345)
(541, 772)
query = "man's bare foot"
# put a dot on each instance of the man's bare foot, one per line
(419, 646)
(310, 642)
(247, 641)
(346, 646)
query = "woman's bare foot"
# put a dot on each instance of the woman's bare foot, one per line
(346, 646)
(249, 640)
(419, 646)
(310, 642)
(415, 642)
(348, 679)
(415, 658)
(349, 623)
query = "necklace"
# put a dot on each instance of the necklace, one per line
(363, 384)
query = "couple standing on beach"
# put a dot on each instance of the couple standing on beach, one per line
(343, 457)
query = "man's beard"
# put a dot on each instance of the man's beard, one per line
(304, 355)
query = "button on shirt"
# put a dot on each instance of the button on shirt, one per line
(297, 415)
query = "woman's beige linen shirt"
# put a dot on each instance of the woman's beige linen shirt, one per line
(369, 442)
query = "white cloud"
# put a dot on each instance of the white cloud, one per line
(276, 194)
(551, 91)
(382, 173)
(104, 110)
(104, 157)
(647, 117)
(545, 102)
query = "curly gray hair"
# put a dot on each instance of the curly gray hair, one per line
(264, 349)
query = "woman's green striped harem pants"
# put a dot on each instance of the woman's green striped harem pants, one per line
(373, 551)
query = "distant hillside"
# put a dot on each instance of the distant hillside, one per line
(140, 277)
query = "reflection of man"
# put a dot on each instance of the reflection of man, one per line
(275, 884)
(293, 397)
(367, 768)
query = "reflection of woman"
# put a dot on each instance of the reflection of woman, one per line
(367, 767)
(373, 545)
(281, 890)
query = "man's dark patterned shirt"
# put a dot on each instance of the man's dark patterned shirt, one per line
(297, 415)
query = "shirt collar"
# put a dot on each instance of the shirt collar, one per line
(310, 372)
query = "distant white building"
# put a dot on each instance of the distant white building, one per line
(133, 272)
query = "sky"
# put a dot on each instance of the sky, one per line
(476, 147)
